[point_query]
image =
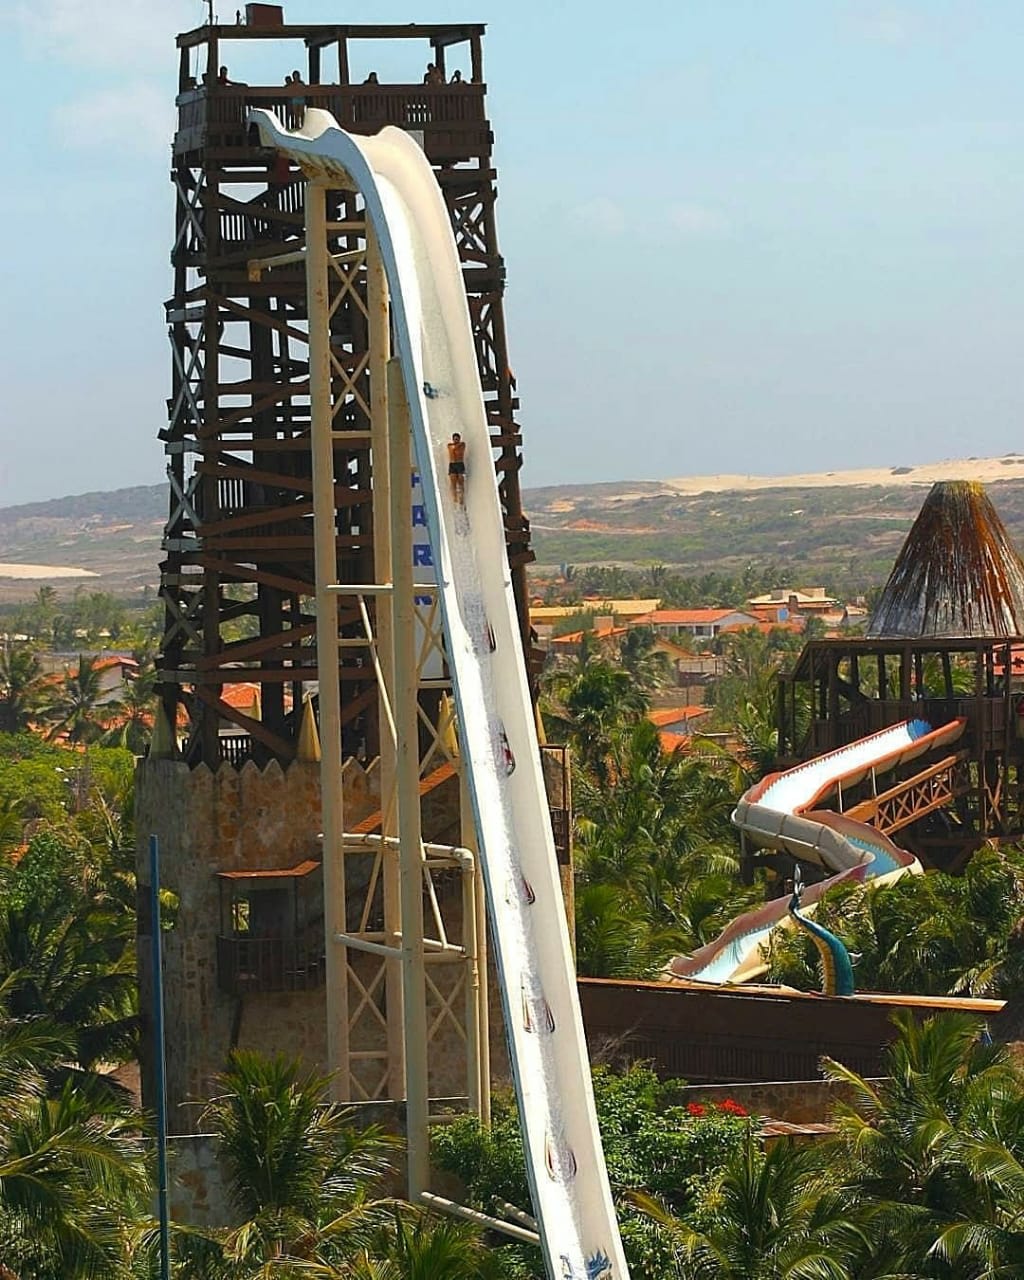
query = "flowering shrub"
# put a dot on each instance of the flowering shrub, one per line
(651, 1145)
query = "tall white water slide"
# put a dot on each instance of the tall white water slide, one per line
(431, 326)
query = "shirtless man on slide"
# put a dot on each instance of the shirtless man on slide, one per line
(457, 469)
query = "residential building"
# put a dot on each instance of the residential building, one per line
(701, 624)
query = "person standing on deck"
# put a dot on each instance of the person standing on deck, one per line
(457, 469)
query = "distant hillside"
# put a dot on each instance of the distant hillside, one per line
(854, 522)
(114, 534)
(142, 502)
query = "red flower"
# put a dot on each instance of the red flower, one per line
(695, 1109)
(732, 1108)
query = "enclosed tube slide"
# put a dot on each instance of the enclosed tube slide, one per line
(431, 325)
(780, 813)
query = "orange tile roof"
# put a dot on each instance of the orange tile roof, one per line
(766, 628)
(117, 660)
(673, 741)
(670, 715)
(574, 637)
(682, 617)
(241, 695)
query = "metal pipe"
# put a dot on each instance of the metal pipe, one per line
(440, 951)
(454, 851)
(407, 778)
(359, 588)
(298, 255)
(482, 1018)
(357, 943)
(517, 1215)
(327, 652)
(481, 1219)
(159, 1058)
(472, 983)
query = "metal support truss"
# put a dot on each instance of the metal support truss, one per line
(405, 963)
(933, 788)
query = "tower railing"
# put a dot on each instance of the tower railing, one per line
(449, 115)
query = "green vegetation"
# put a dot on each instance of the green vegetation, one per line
(657, 857)
(74, 706)
(934, 934)
(651, 1143)
(922, 1180)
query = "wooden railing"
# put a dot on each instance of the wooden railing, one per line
(991, 721)
(235, 748)
(269, 964)
(217, 115)
(912, 799)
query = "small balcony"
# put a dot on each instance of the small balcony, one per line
(271, 930)
(246, 965)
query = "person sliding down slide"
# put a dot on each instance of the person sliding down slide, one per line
(457, 470)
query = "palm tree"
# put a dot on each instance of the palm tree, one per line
(937, 1150)
(42, 612)
(587, 703)
(648, 667)
(612, 940)
(74, 707)
(21, 688)
(67, 956)
(73, 1178)
(417, 1247)
(131, 715)
(298, 1173)
(775, 1215)
(656, 856)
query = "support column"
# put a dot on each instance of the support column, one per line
(478, 1041)
(407, 776)
(379, 346)
(327, 648)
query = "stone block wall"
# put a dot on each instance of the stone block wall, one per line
(225, 820)
(252, 818)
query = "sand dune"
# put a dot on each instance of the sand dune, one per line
(987, 470)
(42, 572)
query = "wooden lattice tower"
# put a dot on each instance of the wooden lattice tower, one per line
(238, 576)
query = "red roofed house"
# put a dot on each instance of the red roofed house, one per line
(676, 725)
(682, 720)
(703, 624)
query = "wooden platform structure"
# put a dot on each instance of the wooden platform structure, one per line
(843, 689)
(709, 1035)
(237, 578)
(945, 640)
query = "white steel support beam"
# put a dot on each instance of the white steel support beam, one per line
(327, 648)
(407, 777)
(379, 335)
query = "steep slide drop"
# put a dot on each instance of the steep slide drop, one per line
(550, 1063)
(779, 813)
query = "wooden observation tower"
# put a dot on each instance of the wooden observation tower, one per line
(239, 651)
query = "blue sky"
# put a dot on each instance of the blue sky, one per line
(740, 236)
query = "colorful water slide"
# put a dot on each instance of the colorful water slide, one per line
(781, 813)
(550, 1063)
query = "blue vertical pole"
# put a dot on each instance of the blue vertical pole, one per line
(159, 1058)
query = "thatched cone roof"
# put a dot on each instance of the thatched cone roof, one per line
(958, 575)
